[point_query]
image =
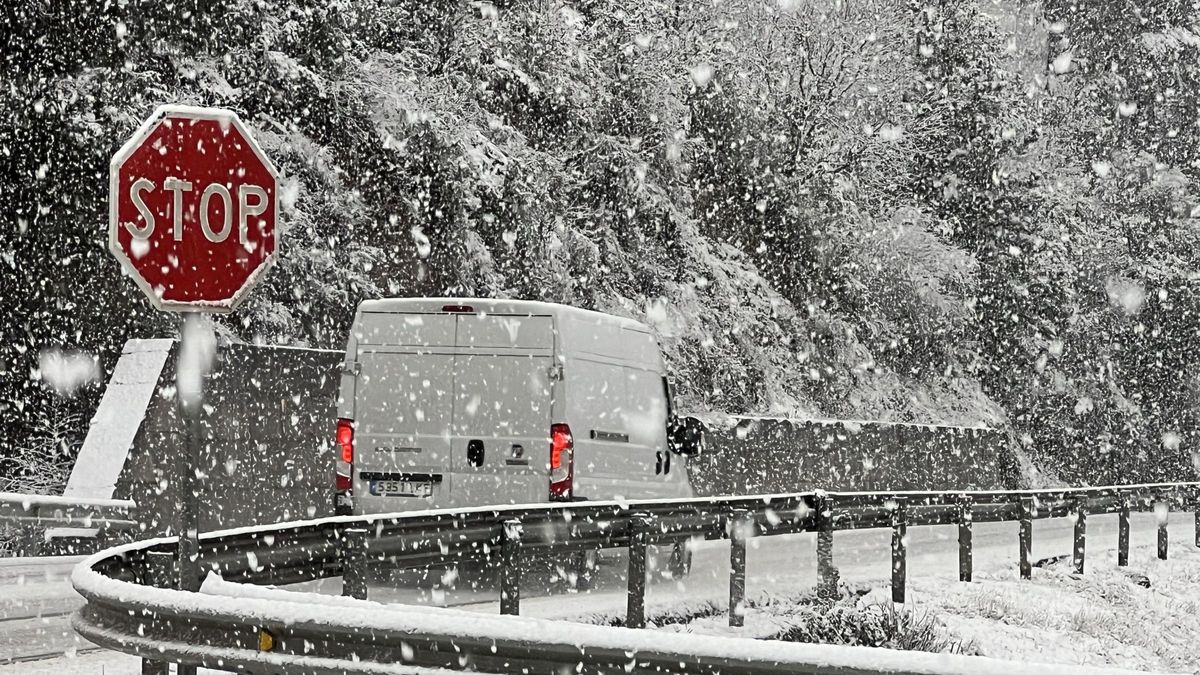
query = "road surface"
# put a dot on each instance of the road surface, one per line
(36, 601)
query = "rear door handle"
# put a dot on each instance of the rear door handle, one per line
(475, 452)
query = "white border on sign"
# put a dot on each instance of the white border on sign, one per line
(114, 169)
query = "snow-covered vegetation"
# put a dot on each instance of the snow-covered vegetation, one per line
(953, 211)
(1142, 617)
(1108, 616)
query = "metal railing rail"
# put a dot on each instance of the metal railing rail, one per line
(131, 607)
(116, 514)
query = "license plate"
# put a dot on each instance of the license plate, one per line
(401, 488)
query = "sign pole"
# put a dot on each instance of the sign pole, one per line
(188, 507)
(196, 351)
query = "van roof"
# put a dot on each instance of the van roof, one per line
(492, 306)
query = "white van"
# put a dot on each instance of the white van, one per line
(453, 402)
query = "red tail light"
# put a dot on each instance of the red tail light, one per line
(345, 465)
(458, 309)
(562, 462)
(345, 439)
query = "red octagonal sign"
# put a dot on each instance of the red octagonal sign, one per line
(193, 209)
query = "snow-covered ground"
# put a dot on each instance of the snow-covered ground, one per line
(1003, 616)
(1103, 618)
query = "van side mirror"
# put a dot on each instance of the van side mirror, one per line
(685, 436)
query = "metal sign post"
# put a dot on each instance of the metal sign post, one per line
(196, 353)
(188, 503)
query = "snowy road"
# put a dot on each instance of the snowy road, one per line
(34, 595)
(35, 605)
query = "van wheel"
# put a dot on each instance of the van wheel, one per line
(680, 562)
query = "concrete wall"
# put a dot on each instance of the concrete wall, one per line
(765, 455)
(268, 428)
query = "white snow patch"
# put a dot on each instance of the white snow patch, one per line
(1062, 63)
(1125, 294)
(196, 354)
(701, 74)
(67, 371)
(1171, 440)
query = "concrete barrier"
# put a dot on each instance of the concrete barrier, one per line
(268, 430)
(754, 455)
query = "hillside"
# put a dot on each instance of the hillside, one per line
(876, 209)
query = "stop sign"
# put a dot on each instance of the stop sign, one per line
(193, 209)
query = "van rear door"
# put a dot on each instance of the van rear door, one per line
(503, 403)
(404, 411)
(616, 410)
(645, 421)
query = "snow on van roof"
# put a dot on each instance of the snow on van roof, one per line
(494, 306)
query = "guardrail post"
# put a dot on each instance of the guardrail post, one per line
(1026, 537)
(827, 574)
(1123, 533)
(1162, 511)
(639, 535)
(155, 667)
(510, 568)
(1080, 541)
(965, 543)
(187, 501)
(1196, 506)
(899, 539)
(161, 568)
(740, 528)
(354, 563)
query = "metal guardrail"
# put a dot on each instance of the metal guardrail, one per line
(130, 606)
(24, 509)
